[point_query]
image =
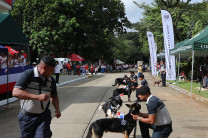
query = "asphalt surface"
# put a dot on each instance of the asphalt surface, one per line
(79, 102)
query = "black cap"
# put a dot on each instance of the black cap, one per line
(143, 90)
(48, 60)
(141, 76)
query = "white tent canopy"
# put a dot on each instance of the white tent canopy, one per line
(119, 61)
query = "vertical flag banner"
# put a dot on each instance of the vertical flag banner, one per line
(168, 35)
(152, 48)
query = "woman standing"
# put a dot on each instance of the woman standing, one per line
(16, 61)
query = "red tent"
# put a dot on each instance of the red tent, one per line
(8, 1)
(12, 51)
(76, 57)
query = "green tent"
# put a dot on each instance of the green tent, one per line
(161, 55)
(198, 44)
(10, 32)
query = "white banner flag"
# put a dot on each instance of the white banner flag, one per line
(168, 35)
(152, 48)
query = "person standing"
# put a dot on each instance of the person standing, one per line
(139, 70)
(69, 68)
(74, 68)
(83, 69)
(16, 60)
(3, 60)
(87, 69)
(22, 59)
(35, 89)
(157, 118)
(91, 69)
(158, 68)
(163, 73)
(57, 71)
(143, 83)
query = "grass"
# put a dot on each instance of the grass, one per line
(187, 86)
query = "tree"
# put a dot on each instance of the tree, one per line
(66, 26)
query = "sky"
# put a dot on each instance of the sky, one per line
(134, 13)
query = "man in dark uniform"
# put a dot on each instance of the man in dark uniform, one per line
(157, 118)
(35, 88)
(143, 83)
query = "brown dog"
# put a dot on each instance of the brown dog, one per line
(157, 82)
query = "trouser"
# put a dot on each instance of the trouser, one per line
(57, 77)
(158, 131)
(87, 71)
(69, 71)
(137, 96)
(163, 76)
(35, 126)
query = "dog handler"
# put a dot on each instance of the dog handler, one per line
(35, 88)
(143, 82)
(157, 118)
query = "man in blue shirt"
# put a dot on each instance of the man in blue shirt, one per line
(35, 88)
(157, 118)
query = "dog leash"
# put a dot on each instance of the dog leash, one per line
(95, 112)
(135, 130)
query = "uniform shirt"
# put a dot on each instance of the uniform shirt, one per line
(156, 106)
(134, 78)
(144, 82)
(162, 67)
(29, 82)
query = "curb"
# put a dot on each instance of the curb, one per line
(194, 96)
(13, 99)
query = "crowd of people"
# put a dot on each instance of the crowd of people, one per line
(16, 60)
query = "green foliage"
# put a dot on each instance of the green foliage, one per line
(65, 26)
(188, 20)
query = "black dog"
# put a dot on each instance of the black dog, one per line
(118, 125)
(121, 81)
(111, 107)
(124, 91)
(127, 90)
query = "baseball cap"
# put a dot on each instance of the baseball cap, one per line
(141, 76)
(48, 60)
(143, 90)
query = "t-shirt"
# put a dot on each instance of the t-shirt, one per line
(29, 81)
(156, 106)
(57, 69)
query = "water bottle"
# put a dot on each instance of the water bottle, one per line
(121, 115)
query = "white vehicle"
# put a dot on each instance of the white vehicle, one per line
(62, 61)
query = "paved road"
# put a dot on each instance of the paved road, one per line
(80, 100)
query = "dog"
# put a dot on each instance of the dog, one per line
(125, 91)
(111, 107)
(124, 126)
(157, 82)
(121, 81)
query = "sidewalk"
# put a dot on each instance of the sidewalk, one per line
(63, 80)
